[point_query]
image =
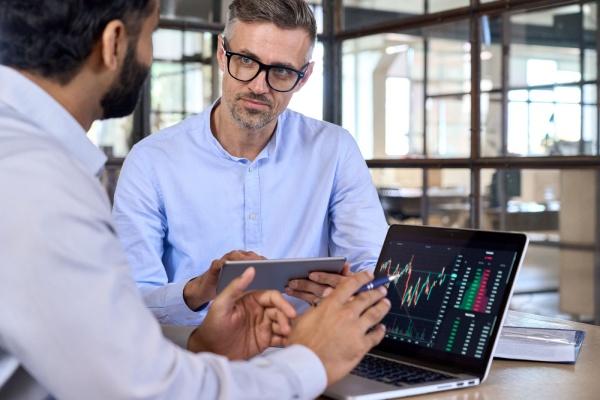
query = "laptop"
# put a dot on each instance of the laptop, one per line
(448, 305)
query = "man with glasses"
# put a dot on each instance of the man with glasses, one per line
(247, 174)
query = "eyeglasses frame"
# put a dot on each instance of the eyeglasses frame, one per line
(263, 67)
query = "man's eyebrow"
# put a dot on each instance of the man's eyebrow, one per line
(248, 53)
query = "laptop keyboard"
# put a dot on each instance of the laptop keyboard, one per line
(394, 373)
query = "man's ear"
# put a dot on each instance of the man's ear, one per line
(307, 74)
(114, 45)
(221, 58)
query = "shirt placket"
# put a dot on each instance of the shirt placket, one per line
(252, 212)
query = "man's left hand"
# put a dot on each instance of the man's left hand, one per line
(240, 325)
(318, 285)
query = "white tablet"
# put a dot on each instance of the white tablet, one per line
(275, 274)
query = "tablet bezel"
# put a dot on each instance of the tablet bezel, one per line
(274, 274)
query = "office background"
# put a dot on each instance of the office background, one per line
(470, 113)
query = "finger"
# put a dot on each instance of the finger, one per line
(346, 270)
(280, 320)
(253, 256)
(374, 314)
(277, 329)
(375, 336)
(350, 285)
(272, 298)
(325, 278)
(304, 285)
(215, 266)
(367, 299)
(234, 290)
(308, 297)
(278, 341)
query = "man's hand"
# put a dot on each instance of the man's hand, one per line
(203, 288)
(343, 327)
(240, 325)
(318, 285)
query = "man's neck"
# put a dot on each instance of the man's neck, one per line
(237, 141)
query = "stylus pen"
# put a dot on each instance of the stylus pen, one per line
(374, 284)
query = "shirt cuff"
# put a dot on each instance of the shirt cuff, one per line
(305, 366)
(168, 305)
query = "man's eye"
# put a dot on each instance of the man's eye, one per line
(282, 72)
(246, 60)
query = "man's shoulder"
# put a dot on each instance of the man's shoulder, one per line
(312, 126)
(314, 131)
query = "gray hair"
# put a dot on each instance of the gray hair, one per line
(285, 14)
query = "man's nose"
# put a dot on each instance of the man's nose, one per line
(259, 84)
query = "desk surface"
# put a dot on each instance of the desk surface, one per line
(532, 380)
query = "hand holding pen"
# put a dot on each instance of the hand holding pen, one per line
(374, 284)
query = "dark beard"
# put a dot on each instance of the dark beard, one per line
(123, 96)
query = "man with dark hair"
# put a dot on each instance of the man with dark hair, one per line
(247, 174)
(72, 323)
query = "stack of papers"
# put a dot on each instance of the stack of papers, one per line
(539, 344)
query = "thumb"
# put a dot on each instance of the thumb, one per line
(235, 289)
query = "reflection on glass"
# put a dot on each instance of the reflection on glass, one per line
(552, 117)
(545, 47)
(491, 124)
(590, 120)
(449, 59)
(181, 76)
(448, 126)
(491, 53)
(590, 26)
(382, 103)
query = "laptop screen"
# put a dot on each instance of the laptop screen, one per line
(451, 290)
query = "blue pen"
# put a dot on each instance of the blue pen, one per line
(374, 284)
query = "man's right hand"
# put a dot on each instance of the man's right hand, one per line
(343, 327)
(203, 288)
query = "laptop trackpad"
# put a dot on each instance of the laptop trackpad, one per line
(353, 385)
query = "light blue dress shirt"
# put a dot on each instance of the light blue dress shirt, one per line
(182, 201)
(73, 323)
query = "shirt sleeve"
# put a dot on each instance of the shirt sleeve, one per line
(358, 226)
(74, 319)
(140, 218)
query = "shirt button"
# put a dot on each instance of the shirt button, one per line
(250, 170)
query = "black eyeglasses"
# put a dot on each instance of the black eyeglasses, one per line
(245, 68)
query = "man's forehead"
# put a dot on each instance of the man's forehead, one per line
(270, 43)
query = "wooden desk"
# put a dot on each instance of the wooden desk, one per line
(532, 380)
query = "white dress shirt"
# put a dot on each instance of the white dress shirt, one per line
(72, 317)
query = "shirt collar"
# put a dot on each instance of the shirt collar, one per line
(269, 150)
(38, 107)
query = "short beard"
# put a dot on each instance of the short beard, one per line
(251, 119)
(123, 96)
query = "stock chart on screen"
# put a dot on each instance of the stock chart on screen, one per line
(445, 297)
